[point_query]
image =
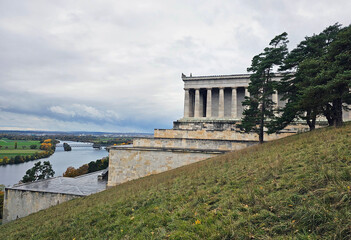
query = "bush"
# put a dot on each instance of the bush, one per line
(72, 172)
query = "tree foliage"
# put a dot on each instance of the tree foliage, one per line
(66, 147)
(259, 106)
(93, 166)
(316, 79)
(72, 172)
(38, 171)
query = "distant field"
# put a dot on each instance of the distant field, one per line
(20, 152)
(4, 142)
(23, 147)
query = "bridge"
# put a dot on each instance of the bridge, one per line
(81, 145)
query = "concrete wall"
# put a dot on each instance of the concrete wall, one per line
(126, 164)
(222, 135)
(19, 203)
(225, 145)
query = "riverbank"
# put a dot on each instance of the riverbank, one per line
(20, 151)
(60, 160)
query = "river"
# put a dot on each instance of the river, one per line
(60, 161)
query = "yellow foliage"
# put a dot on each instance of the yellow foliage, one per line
(46, 145)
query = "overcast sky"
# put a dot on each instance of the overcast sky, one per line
(102, 65)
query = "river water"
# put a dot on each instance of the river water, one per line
(60, 161)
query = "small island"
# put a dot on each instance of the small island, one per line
(67, 147)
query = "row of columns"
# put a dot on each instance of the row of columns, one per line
(197, 105)
(234, 102)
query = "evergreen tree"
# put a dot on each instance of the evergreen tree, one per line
(302, 87)
(259, 106)
(39, 171)
(336, 76)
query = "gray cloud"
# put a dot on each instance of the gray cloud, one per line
(116, 65)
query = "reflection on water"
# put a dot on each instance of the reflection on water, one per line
(60, 160)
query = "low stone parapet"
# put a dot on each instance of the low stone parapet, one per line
(216, 135)
(227, 145)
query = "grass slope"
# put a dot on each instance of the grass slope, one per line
(293, 188)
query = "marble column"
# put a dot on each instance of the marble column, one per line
(197, 103)
(221, 103)
(275, 99)
(186, 103)
(234, 103)
(209, 103)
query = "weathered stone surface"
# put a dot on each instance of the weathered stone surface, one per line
(223, 135)
(126, 164)
(24, 199)
(19, 203)
(228, 145)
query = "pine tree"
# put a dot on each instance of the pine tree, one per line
(259, 106)
(336, 76)
(304, 86)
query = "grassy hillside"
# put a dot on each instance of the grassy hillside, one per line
(297, 187)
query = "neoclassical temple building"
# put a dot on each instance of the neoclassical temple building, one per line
(217, 97)
(212, 110)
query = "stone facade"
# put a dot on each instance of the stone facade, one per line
(23, 199)
(215, 135)
(218, 97)
(182, 143)
(19, 203)
(132, 163)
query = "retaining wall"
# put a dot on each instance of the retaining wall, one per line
(228, 145)
(222, 135)
(126, 164)
(19, 203)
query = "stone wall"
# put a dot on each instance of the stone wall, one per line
(207, 125)
(223, 135)
(19, 203)
(226, 145)
(126, 164)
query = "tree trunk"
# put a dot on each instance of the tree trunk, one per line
(260, 135)
(311, 119)
(337, 103)
(327, 113)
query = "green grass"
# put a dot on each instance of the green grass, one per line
(18, 152)
(23, 148)
(4, 142)
(293, 188)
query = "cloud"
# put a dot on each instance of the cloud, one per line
(117, 65)
(81, 110)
